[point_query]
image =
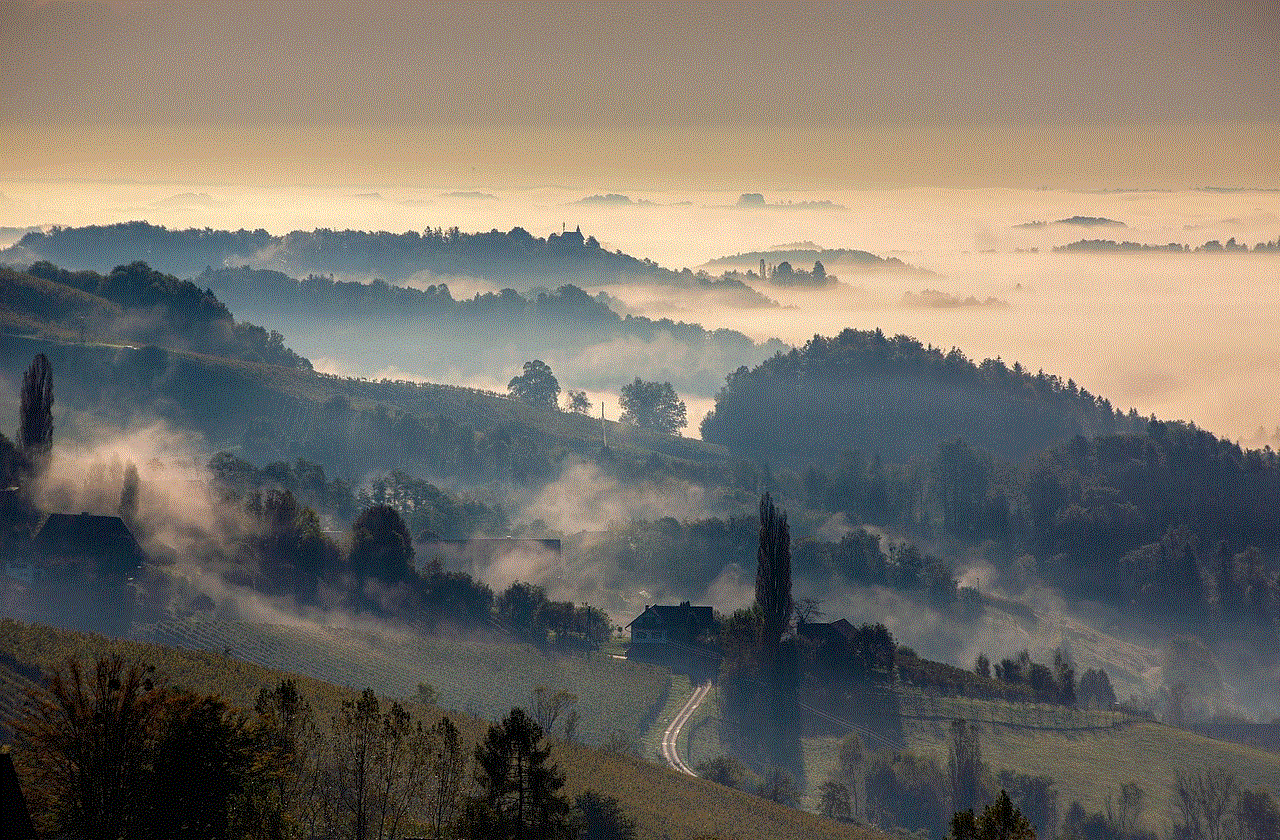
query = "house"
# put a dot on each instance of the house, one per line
(662, 624)
(73, 545)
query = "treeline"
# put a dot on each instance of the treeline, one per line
(283, 551)
(898, 398)
(516, 255)
(504, 313)
(1213, 246)
(134, 303)
(114, 752)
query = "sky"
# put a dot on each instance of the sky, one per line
(783, 96)
(936, 129)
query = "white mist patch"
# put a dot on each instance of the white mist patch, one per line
(585, 498)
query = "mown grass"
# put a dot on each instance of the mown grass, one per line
(665, 804)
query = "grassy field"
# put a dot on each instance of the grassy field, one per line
(666, 805)
(1088, 754)
(482, 678)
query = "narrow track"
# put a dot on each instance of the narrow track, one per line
(671, 737)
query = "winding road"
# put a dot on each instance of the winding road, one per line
(671, 737)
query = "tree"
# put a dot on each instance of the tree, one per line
(999, 821)
(1095, 690)
(35, 416)
(519, 794)
(83, 748)
(779, 786)
(446, 768)
(111, 755)
(1259, 818)
(537, 386)
(653, 406)
(578, 402)
(381, 547)
(773, 576)
(852, 756)
(600, 817)
(377, 767)
(547, 707)
(834, 800)
(964, 766)
(1203, 804)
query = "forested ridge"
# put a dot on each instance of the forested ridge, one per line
(1049, 482)
(897, 397)
(590, 318)
(514, 256)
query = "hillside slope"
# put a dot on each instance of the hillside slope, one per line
(665, 804)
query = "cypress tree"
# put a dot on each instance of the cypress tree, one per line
(35, 429)
(773, 576)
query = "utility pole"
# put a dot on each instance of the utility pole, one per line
(604, 434)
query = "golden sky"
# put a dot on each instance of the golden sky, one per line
(783, 95)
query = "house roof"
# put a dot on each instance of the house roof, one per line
(106, 539)
(684, 614)
(840, 629)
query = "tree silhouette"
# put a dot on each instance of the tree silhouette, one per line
(381, 546)
(537, 386)
(999, 821)
(519, 794)
(773, 576)
(653, 406)
(35, 430)
(578, 402)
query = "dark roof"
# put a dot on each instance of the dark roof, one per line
(15, 819)
(685, 614)
(104, 539)
(840, 629)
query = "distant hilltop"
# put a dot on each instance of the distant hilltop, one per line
(1077, 221)
(756, 200)
(1213, 246)
(861, 261)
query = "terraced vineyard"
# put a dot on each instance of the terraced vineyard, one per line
(481, 678)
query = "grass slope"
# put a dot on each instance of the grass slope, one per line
(664, 803)
(482, 678)
(85, 371)
(1088, 754)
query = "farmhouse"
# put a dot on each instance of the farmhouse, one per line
(661, 624)
(71, 545)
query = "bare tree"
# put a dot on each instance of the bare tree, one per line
(446, 775)
(834, 804)
(548, 707)
(1204, 804)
